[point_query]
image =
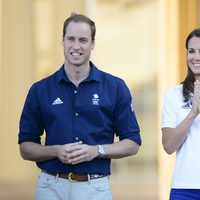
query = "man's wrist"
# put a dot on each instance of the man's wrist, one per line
(55, 150)
(101, 151)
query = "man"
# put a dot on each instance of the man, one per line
(80, 108)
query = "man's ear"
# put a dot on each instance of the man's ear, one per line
(62, 42)
(93, 44)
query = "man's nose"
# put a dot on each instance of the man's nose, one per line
(76, 45)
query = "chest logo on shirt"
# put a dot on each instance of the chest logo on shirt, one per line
(57, 101)
(187, 106)
(95, 99)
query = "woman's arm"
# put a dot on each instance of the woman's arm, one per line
(173, 138)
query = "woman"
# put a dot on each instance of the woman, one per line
(181, 126)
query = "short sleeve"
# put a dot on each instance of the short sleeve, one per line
(169, 110)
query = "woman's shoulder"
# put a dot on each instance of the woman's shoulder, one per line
(174, 93)
(175, 89)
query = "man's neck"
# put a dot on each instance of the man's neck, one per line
(76, 74)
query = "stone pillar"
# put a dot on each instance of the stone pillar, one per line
(16, 75)
(167, 76)
(188, 20)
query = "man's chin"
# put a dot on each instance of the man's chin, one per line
(77, 64)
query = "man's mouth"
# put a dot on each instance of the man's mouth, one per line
(76, 54)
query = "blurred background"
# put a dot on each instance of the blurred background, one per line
(141, 41)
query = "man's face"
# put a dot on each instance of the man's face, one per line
(77, 43)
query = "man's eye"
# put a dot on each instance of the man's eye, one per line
(84, 40)
(70, 39)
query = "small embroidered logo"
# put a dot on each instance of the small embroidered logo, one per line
(57, 101)
(132, 107)
(187, 106)
(95, 99)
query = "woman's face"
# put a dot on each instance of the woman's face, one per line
(193, 56)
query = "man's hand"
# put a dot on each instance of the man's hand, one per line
(75, 153)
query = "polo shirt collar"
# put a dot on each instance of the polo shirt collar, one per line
(94, 74)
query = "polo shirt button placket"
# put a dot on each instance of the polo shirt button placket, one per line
(76, 114)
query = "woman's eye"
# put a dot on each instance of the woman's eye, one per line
(191, 51)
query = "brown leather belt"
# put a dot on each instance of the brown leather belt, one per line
(76, 177)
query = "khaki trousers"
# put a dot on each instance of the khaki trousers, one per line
(53, 188)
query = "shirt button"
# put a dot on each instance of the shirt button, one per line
(76, 114)
(77, 138)
(75, 91)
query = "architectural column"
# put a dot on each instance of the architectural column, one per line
(48, 19)
(15, 79)
(167, 77)
(0, 77)
(188, 20)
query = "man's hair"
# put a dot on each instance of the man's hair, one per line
(80, 18)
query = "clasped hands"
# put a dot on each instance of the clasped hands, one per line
(77, 152)
(196, 98)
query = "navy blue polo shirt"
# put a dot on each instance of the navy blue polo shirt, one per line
(92, 113)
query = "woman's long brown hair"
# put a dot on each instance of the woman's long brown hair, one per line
(188, 83)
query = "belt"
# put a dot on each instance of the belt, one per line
(76, 177)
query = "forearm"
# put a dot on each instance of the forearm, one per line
(173, 138)
(121, 149)
(37, 152)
